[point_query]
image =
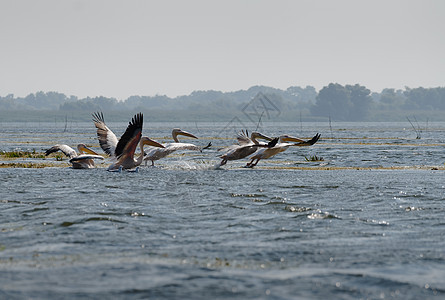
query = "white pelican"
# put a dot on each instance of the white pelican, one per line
(158, 153)
(122, 151)
(280, 147)
(246, 146)
(78, 161)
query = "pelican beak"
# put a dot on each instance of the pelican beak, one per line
(150, 142)
(185, 133)
(261, 136)
(88, 150)
(288, 138)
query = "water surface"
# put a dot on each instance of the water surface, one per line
(366, 222)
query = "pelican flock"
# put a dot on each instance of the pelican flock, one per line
(79, 160)
(122, 152)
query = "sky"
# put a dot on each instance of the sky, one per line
(117, 48)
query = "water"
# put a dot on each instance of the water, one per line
(367, 222)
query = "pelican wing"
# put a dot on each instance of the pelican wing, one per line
(107, 139)
(181, 146)
(228, 148)
(243, 138)
(157, 153)
(272, 143)
(67, 150)
(130, 139)
(85, 156)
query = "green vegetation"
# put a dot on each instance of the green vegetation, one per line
(17, 159)
(314, 158)
(23, 154)
(25, 165)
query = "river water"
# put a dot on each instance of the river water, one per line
(366, 222)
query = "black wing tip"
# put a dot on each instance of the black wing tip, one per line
(137, 120)
(315, 138)
(134, 127)
(51, 150)
(273, 143)
(98, 117)
(208, 146)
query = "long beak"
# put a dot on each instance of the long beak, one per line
(258, 135)
(185, 133)
(288, 138)
(88, 150)
(150, 142)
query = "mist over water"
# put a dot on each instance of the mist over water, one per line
(367, 221)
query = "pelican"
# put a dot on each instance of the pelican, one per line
(246, 146)
(78, 161)
(158, 153)
(283, 145)
(122, 151)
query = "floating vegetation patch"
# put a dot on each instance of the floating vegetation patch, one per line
(29, 160)
(314, 158)
(21, 154)
(29, 165)
(333, 168)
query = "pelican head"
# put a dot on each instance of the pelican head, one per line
(288, 138)
(177, 131)
(147, 141)
(82, 148)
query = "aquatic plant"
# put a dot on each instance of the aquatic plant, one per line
(25, 165)
(20, 153)
(314, 158)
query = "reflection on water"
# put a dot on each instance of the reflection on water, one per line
(366, 222)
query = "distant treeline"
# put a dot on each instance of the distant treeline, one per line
(335, 101)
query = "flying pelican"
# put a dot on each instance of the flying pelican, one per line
(158, 153)
(78, 161)
(283, 145)
(122, 151)
(246, 147)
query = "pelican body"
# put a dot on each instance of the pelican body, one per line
(122, 151)
(153, 154)
(281, 146)
(78, 161)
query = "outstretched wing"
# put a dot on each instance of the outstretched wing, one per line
(181, 146)
(67, 150)
(243, 138)
(130, 139)
(85, 156)
(309, 142)
(107, 139)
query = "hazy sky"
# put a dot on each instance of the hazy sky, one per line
(119, 48)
